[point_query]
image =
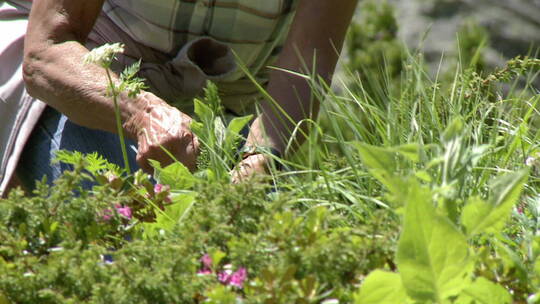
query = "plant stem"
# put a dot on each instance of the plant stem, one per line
(118, 122)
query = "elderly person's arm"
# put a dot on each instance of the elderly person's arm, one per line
(315, 40)
(54, 73)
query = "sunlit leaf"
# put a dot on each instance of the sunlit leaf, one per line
(479, 216)
(176, 175)
(483, 291)
(381, 287)
(432, 257)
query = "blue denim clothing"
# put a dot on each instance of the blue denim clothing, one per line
(55, 132)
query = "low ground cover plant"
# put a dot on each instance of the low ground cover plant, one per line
(434, 200)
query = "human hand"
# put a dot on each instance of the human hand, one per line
(252, 166)
(159, 127)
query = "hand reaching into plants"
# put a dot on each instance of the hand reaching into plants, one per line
(253, 165)
(161, 129)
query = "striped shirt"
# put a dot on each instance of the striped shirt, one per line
(254, 29)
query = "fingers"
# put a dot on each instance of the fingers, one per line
(167, 150)
(254, 165)
(166, 136)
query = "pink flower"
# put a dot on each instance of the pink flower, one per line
(107, 215)
(162, 191)
(224, 277)
(237, 279)
(125, 211)
(206, 261)
(158, 188)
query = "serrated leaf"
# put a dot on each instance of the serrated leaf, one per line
(129, 72)
(433, 257)
(381, 287)
(479, 216)
(483, 291)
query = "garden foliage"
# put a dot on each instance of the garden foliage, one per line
(435, 200)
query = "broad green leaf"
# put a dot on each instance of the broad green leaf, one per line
(180, 206)
(176, 175)
(483, 291)
(381, 287)
(382, 165)
(479, 216)
(433, 257)
(377, 157)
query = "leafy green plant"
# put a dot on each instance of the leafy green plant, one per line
(104, 56)
(435, 252)
(443, 161)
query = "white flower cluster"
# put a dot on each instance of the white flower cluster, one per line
(104, 54)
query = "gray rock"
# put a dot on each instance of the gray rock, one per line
(432, 25)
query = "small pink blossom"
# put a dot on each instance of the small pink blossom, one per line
(204, 272)
(107, 215)
(159, 188)
(124, 211)
(224, 277)
(206, 261)
(227, 276)
(237, 279)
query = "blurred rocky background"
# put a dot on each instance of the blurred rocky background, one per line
(510, 27)
(479, 34)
